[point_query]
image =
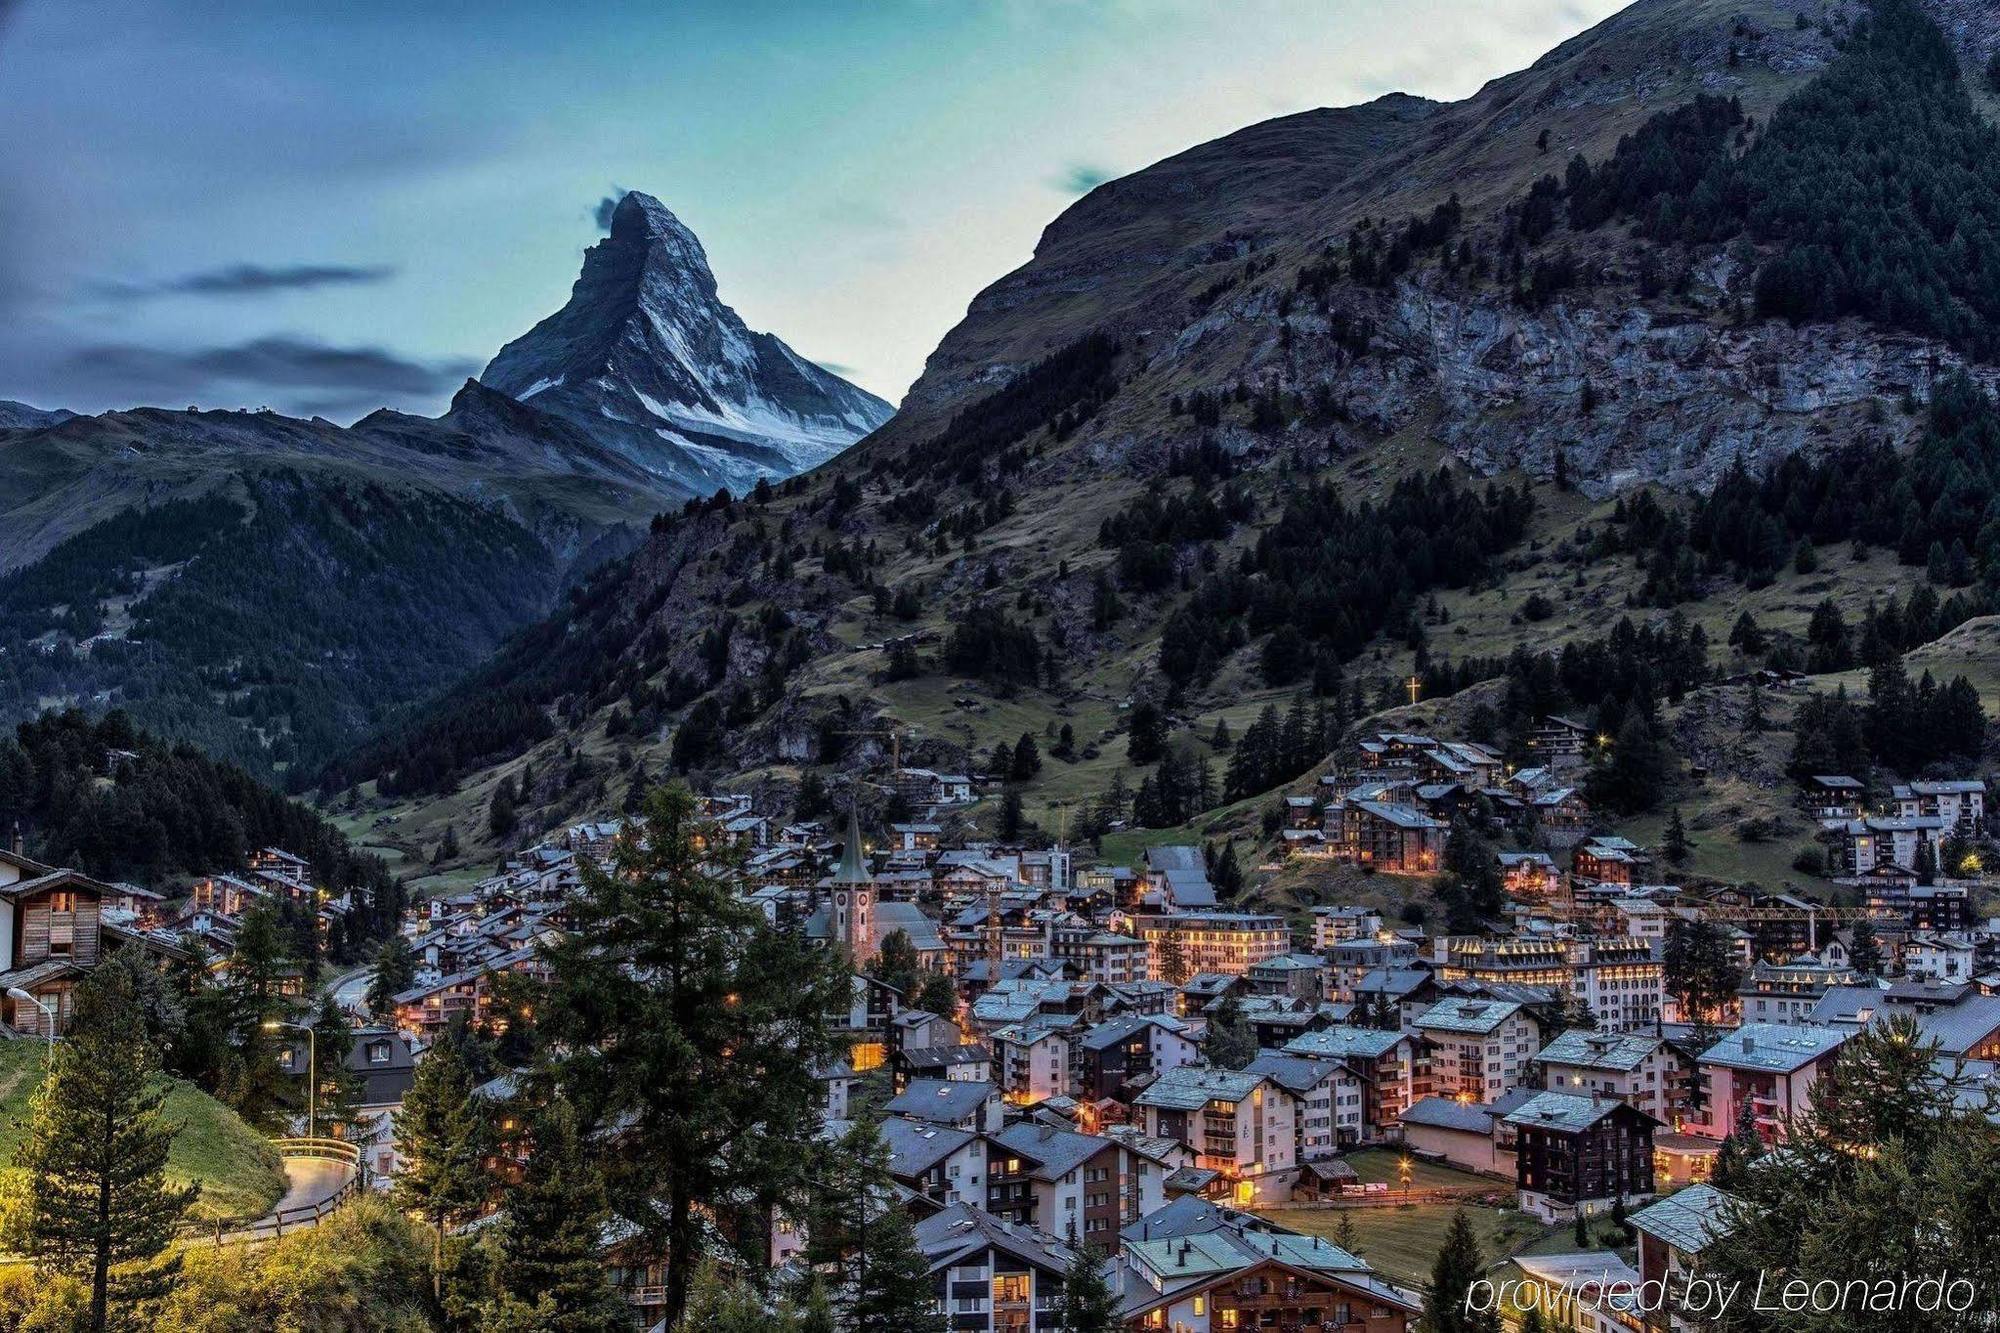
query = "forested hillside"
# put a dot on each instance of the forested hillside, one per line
(273, 620)
(106, 798)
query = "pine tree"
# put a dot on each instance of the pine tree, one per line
(1700, 973)
(550, 1272)
(1146, 737)
(1231, 1043)
(1343, 1232)
(896, 964)
(262, 1092)
(442, 1139)
(395, 972)
(718, 1305)
(1088, 1303)
(1865, 954)
(501, 816)
(337, 1089)
(937, 995)
(1173, 959)
(1027, 759)
(679, 1011)
(1457, 1267)
(1013, 816)
(94, 1201)
(894, 1292)
(1674, 844)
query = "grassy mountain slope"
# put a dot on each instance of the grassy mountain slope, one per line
(1108, 456)
(237, 1169)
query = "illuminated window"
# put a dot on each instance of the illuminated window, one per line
(1200, 1306)
(865, 1056)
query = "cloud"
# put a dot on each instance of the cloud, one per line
(264, 368)
(251, 280)
(1082, 178)
(836, 368)
(602, 210)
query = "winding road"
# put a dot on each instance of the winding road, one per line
(310, 1182)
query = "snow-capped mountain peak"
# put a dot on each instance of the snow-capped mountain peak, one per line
(647, 359)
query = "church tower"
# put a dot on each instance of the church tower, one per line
(852, 926)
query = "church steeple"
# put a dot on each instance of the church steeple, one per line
(853, 923)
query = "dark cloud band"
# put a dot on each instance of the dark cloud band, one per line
(277, 364)
(252, 280)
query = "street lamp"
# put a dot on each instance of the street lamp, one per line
(312, 1070)
(48, 1012)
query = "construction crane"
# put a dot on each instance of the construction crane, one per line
(893, 733)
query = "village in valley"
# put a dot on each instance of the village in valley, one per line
(1393, 732)
(1250, 1116)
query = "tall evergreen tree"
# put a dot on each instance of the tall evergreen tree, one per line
(395, 972)
(441, 1138)
(258, 967)
(893, 1292)
(1674, 843)
(1700, 973)
(718, 1305)
(896, 964)
(680, 1013)
(94, 1203)
(1343, 1232)
(337, 1089)
(1231, 1042)
(1865, 953)
(1457, 1267)
(550, 1275)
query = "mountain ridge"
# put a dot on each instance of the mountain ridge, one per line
(646, 358)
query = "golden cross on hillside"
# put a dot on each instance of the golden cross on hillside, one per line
(1416, 686)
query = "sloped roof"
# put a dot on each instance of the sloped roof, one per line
(1689, 1219)
(1341, 1043)
(1563, 1113)
(1469, 1016)
(1774, 1047)
(1623, 1052)
(1189, 1087)
(1444, 1113)
(915, 1147)
(941, 1101)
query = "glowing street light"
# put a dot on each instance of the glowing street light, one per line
(48, 1012)
(312, 1070)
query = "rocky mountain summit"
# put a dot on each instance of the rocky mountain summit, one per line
(647, 359)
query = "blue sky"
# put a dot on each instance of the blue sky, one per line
(330, 207)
